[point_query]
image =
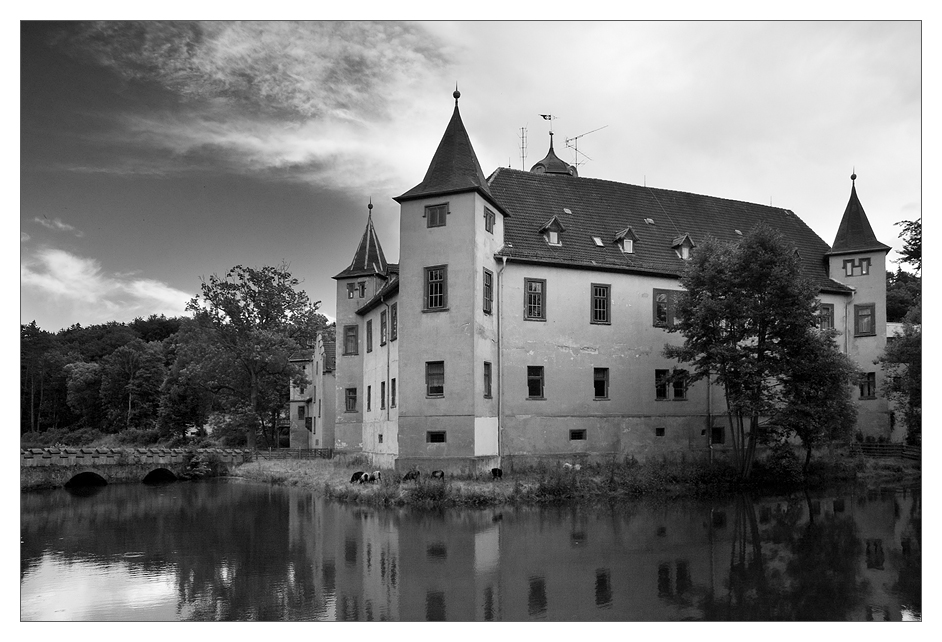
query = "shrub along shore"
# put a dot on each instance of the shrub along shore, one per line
(612, 481)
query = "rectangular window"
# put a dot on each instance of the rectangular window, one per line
(350, 339)
(369, 398)
(680, 385)
(628, 246)
(718, 435)
(361, 289)
(577, 435)
(300, 412)
(489, 220)
(488, 291)
(392, 393)
(659, 431)
(660, 383)
(487, 379)
(351, 290)
(864, 323)
(309, 424)
(382, 395)
(856, 267)
(665, 307)
(601, 303)
(868, 385)
(380, 438)
(435, 436)
(382, 328)
(435, 215)
(535, 382)
(436, 287)
(394, 321)
(435, 378)
(826, 316)
(534, 303)
(601, 383)
(369, 335)
(351, 399)
(318, 407)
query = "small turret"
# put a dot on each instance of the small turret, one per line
(553, 164)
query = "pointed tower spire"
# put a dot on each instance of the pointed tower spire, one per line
(855, 233)
(369, 257)
(454, 167)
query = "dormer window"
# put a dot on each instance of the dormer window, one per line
(649, 221)
(682, 245)
(551, 231)
(626, 240)
(598, 241)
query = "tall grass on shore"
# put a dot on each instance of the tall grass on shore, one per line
(552, 482)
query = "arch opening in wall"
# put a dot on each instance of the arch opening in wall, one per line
(159, 476)
(86, 479)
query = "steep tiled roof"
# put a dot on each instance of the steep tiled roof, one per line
(604, 208)
(454, 167)
(855, 233)
(369, 257)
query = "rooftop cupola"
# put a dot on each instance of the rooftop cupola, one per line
(855, 233)
(553, 164)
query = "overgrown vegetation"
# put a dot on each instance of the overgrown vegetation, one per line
(613, 480)
(160, 380)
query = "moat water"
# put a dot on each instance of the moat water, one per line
(229, 550)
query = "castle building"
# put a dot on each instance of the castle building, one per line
(528, 314)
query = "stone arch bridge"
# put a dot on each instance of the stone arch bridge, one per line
(55, 467)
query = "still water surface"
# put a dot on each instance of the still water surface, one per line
(225, 550)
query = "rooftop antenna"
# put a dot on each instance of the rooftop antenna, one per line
(523, 148)
(573, 143)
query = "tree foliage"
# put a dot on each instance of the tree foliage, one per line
(902, 364)
(912, 243)
(745, 318)
(131, 378)
(903, 291)
(249, 324)
(816, 401)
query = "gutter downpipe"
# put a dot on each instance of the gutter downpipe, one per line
(500, 362)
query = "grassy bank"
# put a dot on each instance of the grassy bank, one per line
(553, 483)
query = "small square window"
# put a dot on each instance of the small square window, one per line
(435, 437)
(577, 435)
(659, 431)
(435, 215)
(718, 435)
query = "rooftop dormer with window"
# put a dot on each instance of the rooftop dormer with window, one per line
(551, 231)
(683, 245)
(626, 239)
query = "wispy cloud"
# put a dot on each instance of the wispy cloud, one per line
(302, 101)
(80, 285)
(57, 225)
(24, 237)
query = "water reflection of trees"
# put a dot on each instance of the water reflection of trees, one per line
(790, 569)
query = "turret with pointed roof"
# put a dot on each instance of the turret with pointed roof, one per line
(855, 233)
(454, 167)
(369, 257)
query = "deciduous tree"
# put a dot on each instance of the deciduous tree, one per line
(902, 364)
(251, 322)
(744, 315)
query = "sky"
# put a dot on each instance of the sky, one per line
(155, 154)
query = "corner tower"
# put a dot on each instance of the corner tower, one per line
(451, 226)
(363, 278)
(857, 259)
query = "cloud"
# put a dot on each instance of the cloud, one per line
(57, 225)
(310, 102)
(81, 290)
(24, 237)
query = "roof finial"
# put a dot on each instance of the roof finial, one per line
(370, 206)
(853, 175)
(457, 94)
